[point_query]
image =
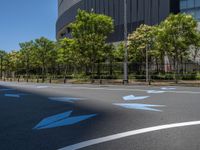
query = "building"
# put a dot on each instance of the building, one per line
(191, 7)
(139, 12)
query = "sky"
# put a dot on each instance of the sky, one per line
(25, 20)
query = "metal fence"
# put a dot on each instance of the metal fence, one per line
(109, 73)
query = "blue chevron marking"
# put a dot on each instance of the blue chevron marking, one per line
(52, 119)
(68, 121)
(15, 95)
(60, 120)
(6, 90)
(12, 95)
(65, 99)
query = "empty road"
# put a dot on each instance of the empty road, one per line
(92, 117)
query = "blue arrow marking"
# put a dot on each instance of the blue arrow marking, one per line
(53, 119)
(69, 121)
(61, 120)
(15, 95)
(6, 90)
(65, 99)
(139, 106)
(155, 92)
(168, 88)
(132, 97)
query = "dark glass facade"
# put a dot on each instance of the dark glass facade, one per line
(149, 12)
(191, 7)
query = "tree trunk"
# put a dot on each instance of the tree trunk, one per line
(92, 71)
(27, 68)
(111, 68)
(176, 67)
(1, 74)
(43, 70)
(65, 74)
(98, 70)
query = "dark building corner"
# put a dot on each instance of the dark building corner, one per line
(139, 12)
(175, 6)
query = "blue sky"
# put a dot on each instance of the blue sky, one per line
(24, 20)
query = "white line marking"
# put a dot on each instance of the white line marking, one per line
(168, 88)
(41, 87)
(132, 97)
(100, 88)
(155, 92)
(120, 89)
(127, 134)
(139, 106)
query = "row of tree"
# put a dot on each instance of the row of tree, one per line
(42, 56)
(177, 38)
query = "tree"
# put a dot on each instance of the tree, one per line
(13, 61)
(90, 32)
(43, 49)
(140, 41)
(118, 53)
(66, 53)
(195, 48)
(26, 54)
(178, 34)
(2, 56)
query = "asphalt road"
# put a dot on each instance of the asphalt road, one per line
(89, 117)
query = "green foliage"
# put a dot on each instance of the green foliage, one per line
(2, 60)
(66, 52)
(173, 37)
(179, 32)
(191, 76)
(90, 32)
(13, 60)
(44, 49)
(26, 55)
(118, 53)
(176, 37)
(141, 40)
(2, 53)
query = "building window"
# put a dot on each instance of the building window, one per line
(191, 7)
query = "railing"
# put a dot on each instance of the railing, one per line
(105, 73)
(186, 80)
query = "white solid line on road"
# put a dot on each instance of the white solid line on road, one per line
(127, 134)
(124, 89)
(97, 88)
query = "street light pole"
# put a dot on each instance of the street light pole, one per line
(125, 44)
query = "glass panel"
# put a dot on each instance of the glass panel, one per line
(197, 3)
(190, 3)
(191, 7)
